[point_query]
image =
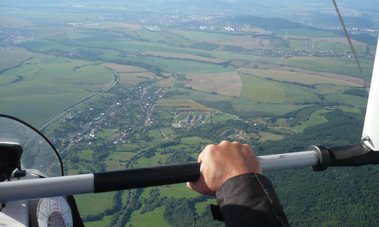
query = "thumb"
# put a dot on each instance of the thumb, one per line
(189, 185)
(200, 187)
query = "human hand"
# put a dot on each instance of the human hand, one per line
(221, 162)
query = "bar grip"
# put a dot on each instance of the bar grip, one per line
(145, 177)
(350, 155)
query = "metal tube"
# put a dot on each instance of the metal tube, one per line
(118, 180)
(289, 160)
(45, 187)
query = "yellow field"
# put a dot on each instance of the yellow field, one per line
(292, 74)
(226, 83)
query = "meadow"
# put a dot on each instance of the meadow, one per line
(261, 90)
(306, 77)
(24, 89)
(12, 57)
(326, 64)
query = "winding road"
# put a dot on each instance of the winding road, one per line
(116, 79)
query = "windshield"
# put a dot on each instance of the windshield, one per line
(38, 155)
(128, 84)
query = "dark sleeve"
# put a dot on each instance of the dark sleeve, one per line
(249, 200)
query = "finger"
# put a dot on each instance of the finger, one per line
(189, 185)
(203, 155)
(246, 145)
(194, 186)
(200, 157)
(224, 143)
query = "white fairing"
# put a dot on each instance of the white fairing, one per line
(15, 214)
(370, 135)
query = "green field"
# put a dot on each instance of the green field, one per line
(219, 117)
(117, 160)
(63, 61)
(201, 207)
(326, 89)
(326, 64)
(11, 57)
(261, 90)
(307, 32)
(152, 218)
(92, 204)
(185, 66)
(194, 140)
(330, 46)
(343, 99)
(49, 82)
(203, 36)
(170, 38)
(265, 109)
(105, 221)
(177, 191)
(155, 160)
(316, 118)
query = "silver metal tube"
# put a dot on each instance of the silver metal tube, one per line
(46, 187)
(79, 184)
(289, 160)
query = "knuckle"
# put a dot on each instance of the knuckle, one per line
(224, 142)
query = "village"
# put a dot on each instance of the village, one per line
(123, 118)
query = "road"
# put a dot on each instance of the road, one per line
(116, 79)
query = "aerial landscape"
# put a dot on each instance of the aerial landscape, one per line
(118, 85)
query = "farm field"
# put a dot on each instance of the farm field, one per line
(184, 57)
(104, 201)
(228, 84)
(306, 77)
(331, 65)
(315, 119)
(124, 93)
(152, 218)
(23, 89)
(11, 57)
(267, 91)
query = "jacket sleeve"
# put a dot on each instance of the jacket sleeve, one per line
(249, 200)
